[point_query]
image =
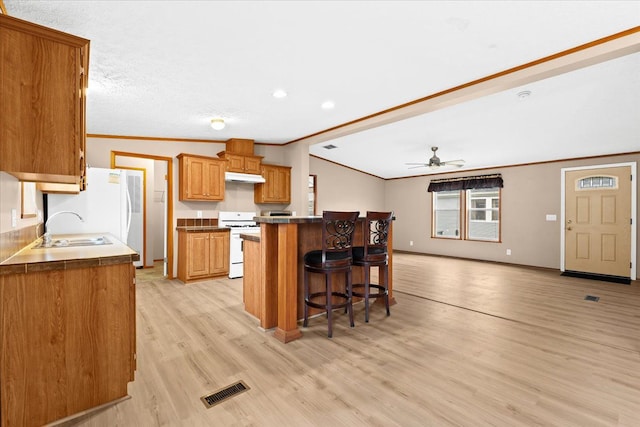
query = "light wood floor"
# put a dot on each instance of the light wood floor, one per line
(467, 344)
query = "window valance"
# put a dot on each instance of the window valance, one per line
(466, 183)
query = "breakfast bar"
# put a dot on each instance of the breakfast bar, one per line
(278, 289)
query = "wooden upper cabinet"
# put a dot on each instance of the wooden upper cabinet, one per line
(239, 156)
(277, 188)
(43, 78)
(201, 178)
(241, 163)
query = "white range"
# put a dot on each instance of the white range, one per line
(238, 222)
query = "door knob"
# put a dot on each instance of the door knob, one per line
(569, 228)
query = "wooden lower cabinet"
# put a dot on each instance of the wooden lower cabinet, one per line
(202, 254)
(68, 341)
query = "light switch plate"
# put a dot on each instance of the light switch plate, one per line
(551, 217)
(14, 218)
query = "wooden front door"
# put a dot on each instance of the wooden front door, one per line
(598, 221)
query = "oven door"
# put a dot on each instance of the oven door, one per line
(235, 255)
(235, 248)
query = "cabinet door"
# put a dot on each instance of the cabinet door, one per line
(215, 180)
(252, 164)
(197, 254)
(195, 180)
(283, 185)
(235, 163)
(219, 253)
(42, 85)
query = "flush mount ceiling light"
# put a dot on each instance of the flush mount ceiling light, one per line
(218, 124)
(279, 93)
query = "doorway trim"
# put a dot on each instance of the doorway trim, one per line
(634, 204)
(169, 230)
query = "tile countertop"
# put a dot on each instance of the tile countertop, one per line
(31, 259)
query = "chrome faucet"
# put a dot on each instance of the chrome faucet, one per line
(46, 238)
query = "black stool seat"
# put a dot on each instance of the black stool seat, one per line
(374, 253)
(334, 257)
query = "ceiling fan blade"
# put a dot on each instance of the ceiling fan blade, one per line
(458, 162)
(420, 165)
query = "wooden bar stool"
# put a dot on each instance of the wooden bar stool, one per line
(334, 257)
(374, 254)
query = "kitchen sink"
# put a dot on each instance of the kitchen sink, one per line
(69, 243)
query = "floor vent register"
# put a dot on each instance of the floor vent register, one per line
(224, 393)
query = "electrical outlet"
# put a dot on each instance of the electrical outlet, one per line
(410, 242)
(508, 251)
(198, 214)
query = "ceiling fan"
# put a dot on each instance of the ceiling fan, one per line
(435, 162)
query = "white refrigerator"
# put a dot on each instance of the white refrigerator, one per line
(112, 203)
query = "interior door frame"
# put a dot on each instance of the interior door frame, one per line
(634, 204)
(169, 229)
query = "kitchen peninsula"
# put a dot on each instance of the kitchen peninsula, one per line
(283, 241)
(67, 328)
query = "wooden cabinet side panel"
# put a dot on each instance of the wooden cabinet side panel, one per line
(39, 127)
(132, 318)
(251, 291)
(66, 342)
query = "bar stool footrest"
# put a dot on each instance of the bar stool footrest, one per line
(313, 304)
(383, 291)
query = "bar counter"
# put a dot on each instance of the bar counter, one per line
(283, 243)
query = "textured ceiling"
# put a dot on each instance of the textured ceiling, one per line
(164, 69)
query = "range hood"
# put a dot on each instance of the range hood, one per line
(243, 177)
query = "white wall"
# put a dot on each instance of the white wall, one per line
(340, 188)
(10, 199)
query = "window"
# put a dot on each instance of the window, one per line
(446, 214)
(597, 182)
(467, 208)
(483, 214)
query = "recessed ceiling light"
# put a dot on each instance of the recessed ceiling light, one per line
(279, 93)
(218, 123)
(328, 105)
